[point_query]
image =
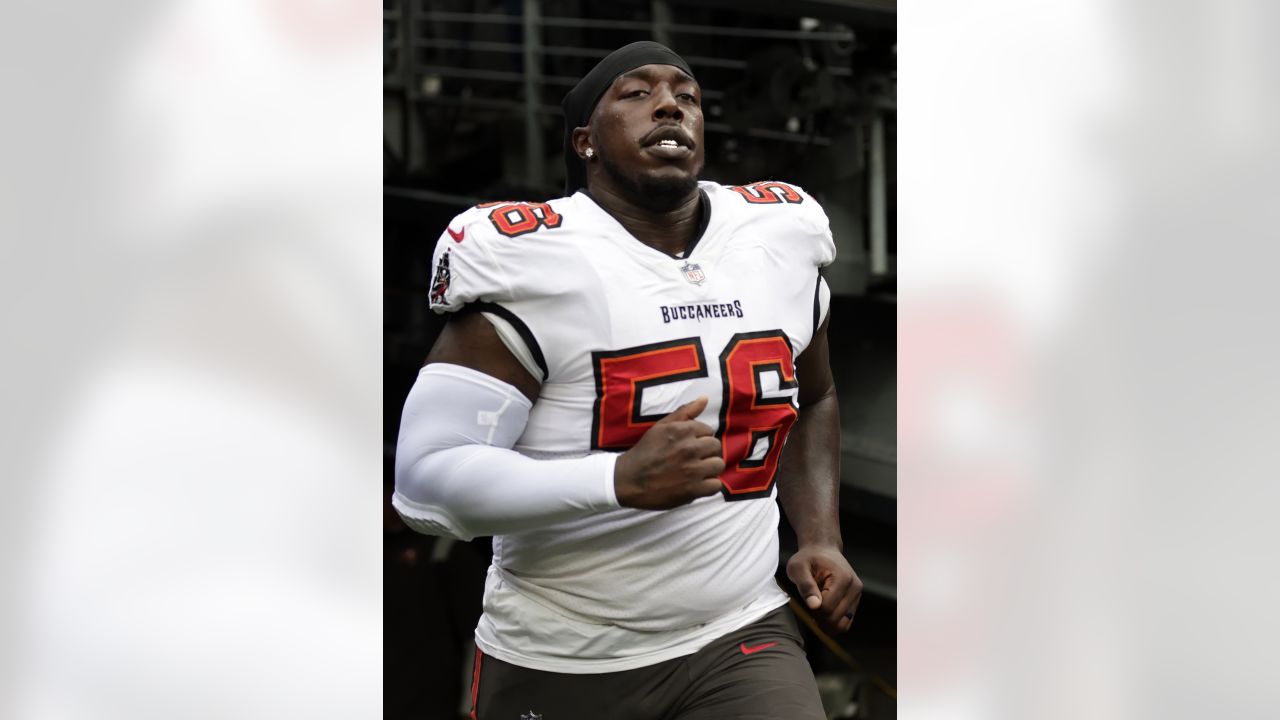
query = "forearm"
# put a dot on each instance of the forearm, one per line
(809, 473)
(473, 490)
(456, 474)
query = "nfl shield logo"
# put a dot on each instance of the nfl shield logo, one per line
(531, 715)
(693, 273)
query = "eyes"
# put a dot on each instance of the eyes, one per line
(640, 93)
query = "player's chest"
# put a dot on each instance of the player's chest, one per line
(724, 313)
(718, 324)
(716, 291)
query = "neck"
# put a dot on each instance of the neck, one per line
(670, 231)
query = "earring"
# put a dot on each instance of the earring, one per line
(590, 152)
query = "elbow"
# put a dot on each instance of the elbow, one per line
(428, 519)
(419, 497)
(452, 414)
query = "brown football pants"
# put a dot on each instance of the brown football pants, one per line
(756, 673)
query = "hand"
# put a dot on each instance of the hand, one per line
(677, 461)
(829, 586)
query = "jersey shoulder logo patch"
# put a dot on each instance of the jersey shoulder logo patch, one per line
(440, 283)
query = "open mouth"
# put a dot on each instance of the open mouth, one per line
(670, 146)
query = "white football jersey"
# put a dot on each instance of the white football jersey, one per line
(624, 334)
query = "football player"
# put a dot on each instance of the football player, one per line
(634, 377)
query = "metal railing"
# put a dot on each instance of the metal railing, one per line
(409, 31)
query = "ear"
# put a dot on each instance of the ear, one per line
(581, 141)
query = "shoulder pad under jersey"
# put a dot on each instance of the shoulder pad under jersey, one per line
(768, 199)
(481, 251)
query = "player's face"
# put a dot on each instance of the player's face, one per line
(647, 129)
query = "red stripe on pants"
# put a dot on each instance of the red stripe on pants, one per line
(475, 685)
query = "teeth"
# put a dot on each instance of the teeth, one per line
(668, 143)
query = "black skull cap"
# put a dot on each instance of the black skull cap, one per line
(581, 101)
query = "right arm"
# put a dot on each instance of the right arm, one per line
(456, 473)
(469, 340)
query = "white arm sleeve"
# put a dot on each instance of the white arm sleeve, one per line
(456, 474)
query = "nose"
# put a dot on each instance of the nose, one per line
(665, 105)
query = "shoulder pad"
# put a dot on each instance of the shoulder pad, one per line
(785, 197)
(787, 203)
(483, 255)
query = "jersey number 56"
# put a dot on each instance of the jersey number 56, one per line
(753, 427)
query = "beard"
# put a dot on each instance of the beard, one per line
(659, 194)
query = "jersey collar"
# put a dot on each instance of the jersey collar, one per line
(704, 221)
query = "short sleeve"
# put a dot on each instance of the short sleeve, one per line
(464, 266)
(502, 259)
(821, 303)
(814, 219)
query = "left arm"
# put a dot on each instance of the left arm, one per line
(809, 490)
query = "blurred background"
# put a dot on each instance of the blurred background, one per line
(803, 91)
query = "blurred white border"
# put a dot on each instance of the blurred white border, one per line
(200, 507)
(192, 433)
(1086, 241)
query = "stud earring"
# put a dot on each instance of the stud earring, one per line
(590, 152)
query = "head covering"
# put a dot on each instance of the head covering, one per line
(581, 101)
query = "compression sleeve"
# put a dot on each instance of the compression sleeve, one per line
(456, 474)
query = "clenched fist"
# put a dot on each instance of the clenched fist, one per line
(831, 589)
(677, 461)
